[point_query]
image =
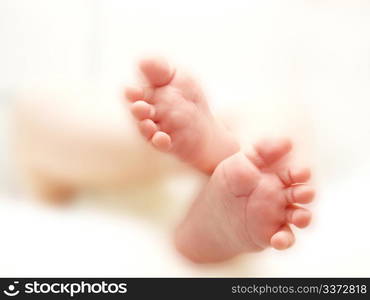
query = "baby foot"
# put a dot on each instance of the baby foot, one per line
(247, 206)
(173, 114)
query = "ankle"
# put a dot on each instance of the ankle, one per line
(219, 145)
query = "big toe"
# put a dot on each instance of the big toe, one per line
(157, 71)
(269, 151)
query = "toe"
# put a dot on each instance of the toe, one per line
(142, 110)
(298, 216)
(147, 128)
(270, 151)
(299, 194)
(294, 176)
(300, 175)
(162, 141)
(157, 71)
(133, 94)
(282, 239)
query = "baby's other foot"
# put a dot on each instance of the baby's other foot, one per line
(248, 205)
(173, 114)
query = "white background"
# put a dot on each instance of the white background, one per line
(301, 68)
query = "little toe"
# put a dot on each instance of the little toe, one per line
(162, 141)
(147, 128)
(142, 110)
(133, 93)
(294, 176)
(157, 71)
(299, 194)
(299, 216)
(270, 151)
(282, 239)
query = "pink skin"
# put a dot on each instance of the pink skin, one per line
(250, 200)
(247, 206)
(173, 115)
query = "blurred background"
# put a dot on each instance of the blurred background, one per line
(295, 68)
